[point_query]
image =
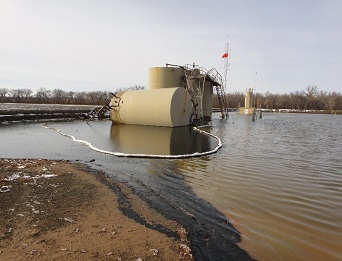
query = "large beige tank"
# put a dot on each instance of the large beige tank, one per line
(169, 107)
(165, 77)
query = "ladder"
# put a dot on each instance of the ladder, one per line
(221, 96)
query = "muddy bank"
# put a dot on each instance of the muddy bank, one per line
(58, 210)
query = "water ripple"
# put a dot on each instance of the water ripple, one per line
(279, 179)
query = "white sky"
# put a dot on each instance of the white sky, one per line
(85, 45)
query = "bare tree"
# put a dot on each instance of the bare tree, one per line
(97, 97)
(269, 100)
(235, 99)
(136, 87)
(311, 94)
(297, 101)
(3, 93)
(70, 96)
(43, 95)
(260, 98)
(102, 97)
(132, 88)
(59, 96)
(80, 97)
(18, 95)
(27, 94)
(338, 105)
(331, 101)
(92, 96)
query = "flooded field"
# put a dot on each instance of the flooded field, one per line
(273, 191)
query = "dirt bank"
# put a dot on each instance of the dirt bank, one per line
(54, 210)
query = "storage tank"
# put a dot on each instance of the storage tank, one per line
(165, 77)
(248, 109)
(169, 107)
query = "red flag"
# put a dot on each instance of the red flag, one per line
(225, 55)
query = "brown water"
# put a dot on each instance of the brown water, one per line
(278, 180)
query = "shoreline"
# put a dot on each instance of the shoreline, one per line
(52, 209)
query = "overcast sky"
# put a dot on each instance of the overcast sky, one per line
(85, 45)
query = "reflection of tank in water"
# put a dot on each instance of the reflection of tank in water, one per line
(155, 140)
(176, 96)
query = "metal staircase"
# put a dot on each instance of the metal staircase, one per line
(222, 101)
(221, 96)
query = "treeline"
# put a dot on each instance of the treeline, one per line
(57, 96)
(309, 99)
